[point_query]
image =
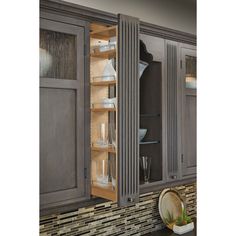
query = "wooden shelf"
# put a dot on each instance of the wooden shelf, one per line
(101, 149)
(103, 32)
(104, 192)
(106, 54)
(103, 83)
(102, 109)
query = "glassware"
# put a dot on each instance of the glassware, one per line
(112, 135)
(103, 140)
(145, 164)
(112, 167)
(101, 172)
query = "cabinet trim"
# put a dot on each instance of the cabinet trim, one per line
(90, 14)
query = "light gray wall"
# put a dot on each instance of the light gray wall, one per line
(174, 14)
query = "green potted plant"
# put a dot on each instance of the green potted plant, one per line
(183, 223)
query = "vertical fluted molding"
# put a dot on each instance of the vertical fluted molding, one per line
(172, 111)
(128, 110)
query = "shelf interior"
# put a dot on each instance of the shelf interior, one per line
(103, 109)
(101, 149)
(105, 192)
(103, 83)
(150, 119)
(104, 32)
(109, 54)
(103, 160)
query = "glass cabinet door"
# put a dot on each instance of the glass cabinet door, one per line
(63, 113)
(189, 112)
(150, 130)
(57, 55)
(190, 72)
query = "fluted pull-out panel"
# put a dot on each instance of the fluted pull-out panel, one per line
(128, 110)
(172, 111)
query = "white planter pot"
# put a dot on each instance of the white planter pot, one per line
(183, 229)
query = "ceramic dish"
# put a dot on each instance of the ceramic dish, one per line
(142, 133)
(142, 67)
(183, 229)
(170, 204)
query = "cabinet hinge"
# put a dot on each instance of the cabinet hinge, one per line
(85, 173)
(181, 64)
(182, 158)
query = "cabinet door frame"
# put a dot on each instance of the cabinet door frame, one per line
(185, 49)
(78, 28)
(161, 58)
(178, 105)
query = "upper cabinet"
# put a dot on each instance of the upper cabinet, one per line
(63, 112)
(181, 84)
(117, 107)
(189, 109)
(114, 99)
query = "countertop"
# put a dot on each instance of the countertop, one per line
(168, 232)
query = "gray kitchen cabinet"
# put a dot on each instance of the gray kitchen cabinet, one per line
(64, 111)
(188, 89)
(70, 61)
(172, 111)
(181, 110)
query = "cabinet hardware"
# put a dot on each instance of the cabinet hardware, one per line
(85, 173)
(181, 64)
(182, 158)
(173, 176)
(130, 199)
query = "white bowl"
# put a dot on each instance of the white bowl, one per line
(142, 133)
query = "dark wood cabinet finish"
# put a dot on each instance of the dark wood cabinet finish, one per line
(128, 110)
(189, 114)
(65, 175)
(63, 114)
(172, 111)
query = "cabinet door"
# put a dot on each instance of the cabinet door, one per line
(128, 110)
(152, 163)
(63, 112)
(172, 111)
(189, 106)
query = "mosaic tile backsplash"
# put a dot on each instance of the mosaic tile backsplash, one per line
(109, 219)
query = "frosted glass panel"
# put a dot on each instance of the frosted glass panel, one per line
(191, 72)
(57, 55)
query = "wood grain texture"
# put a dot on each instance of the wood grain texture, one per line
(172, 112)
(189, 113)
(63, 140)
(128, 110)
(57, 139)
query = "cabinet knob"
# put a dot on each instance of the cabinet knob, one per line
(173, 176)
(130, 199)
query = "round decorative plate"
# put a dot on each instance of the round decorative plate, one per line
(170, 206)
